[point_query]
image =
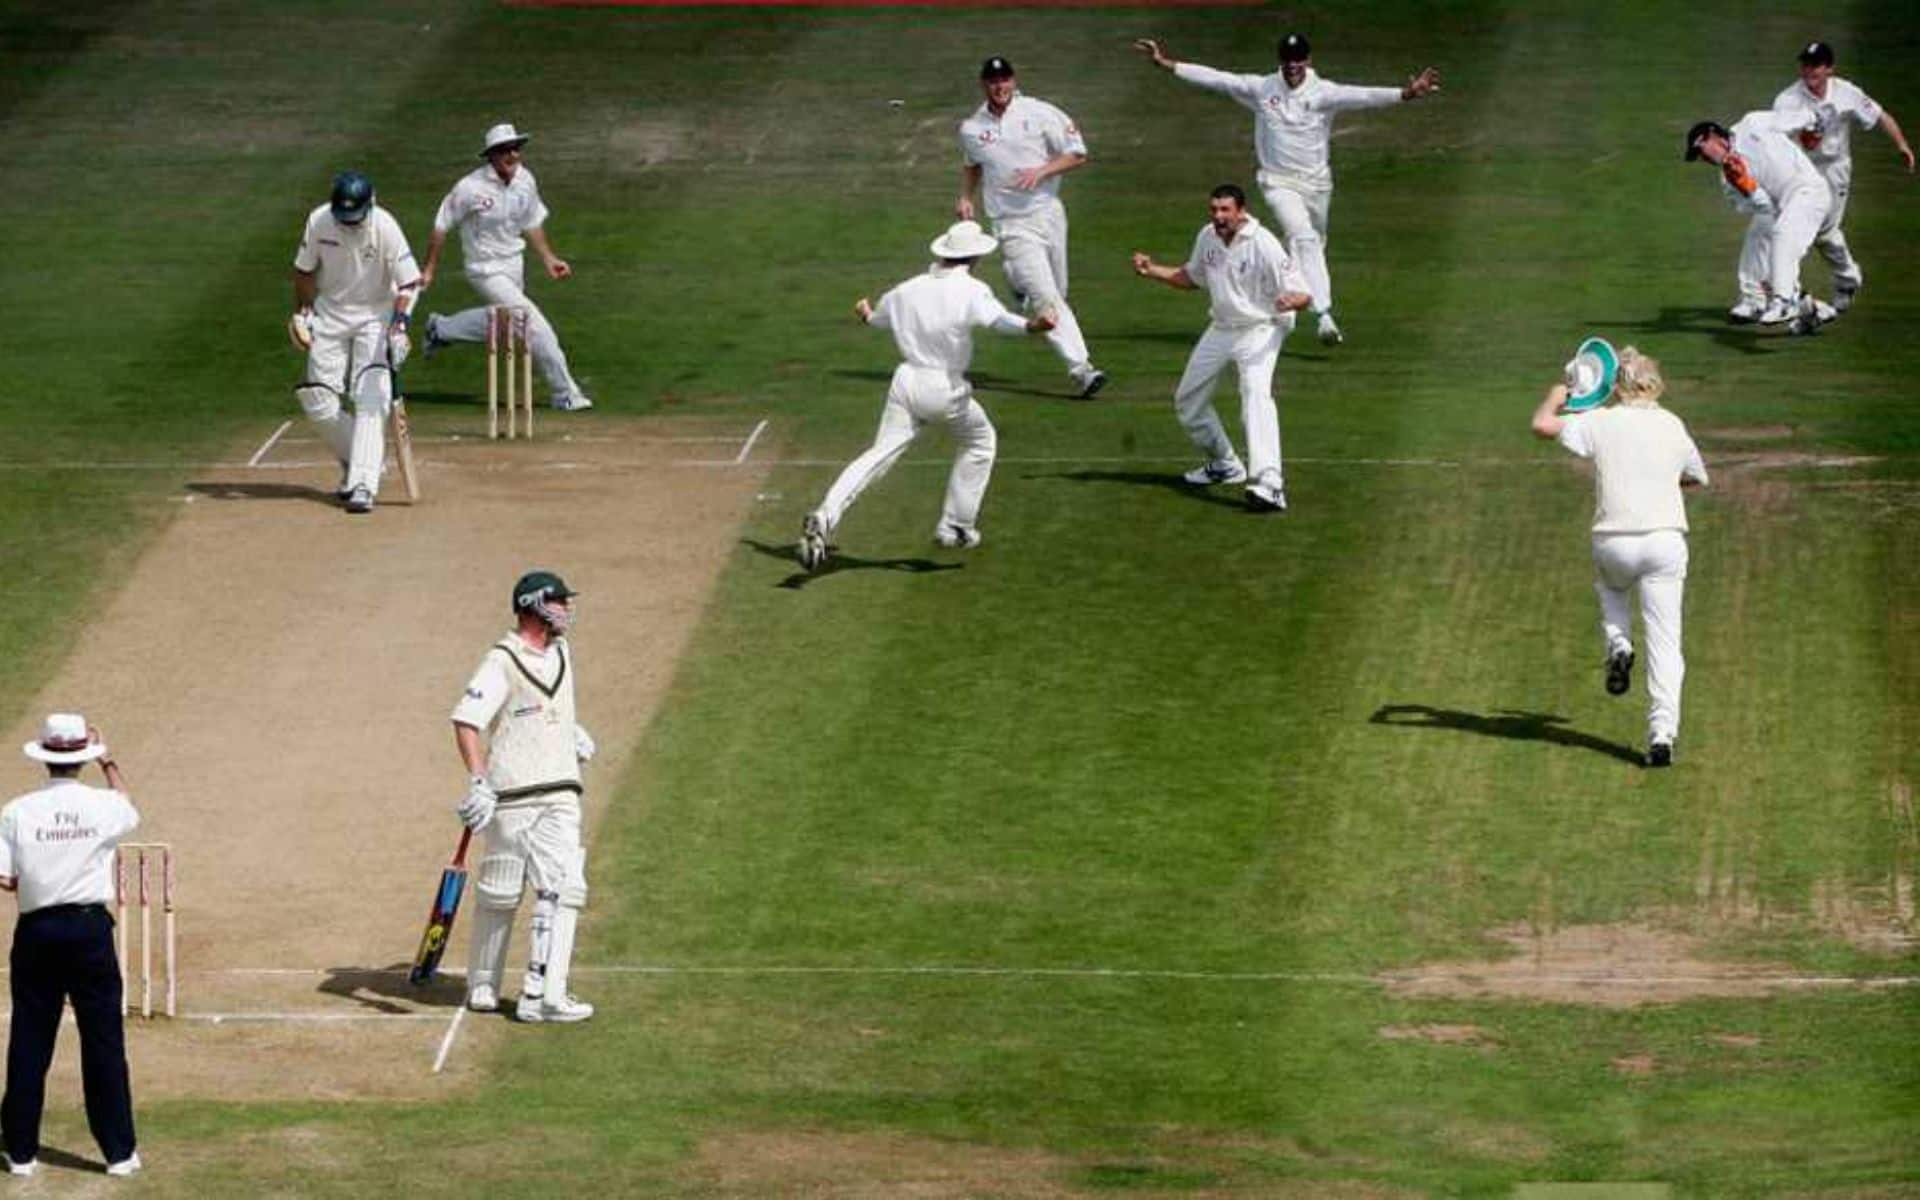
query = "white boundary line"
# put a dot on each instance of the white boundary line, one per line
(268, 444)
(751, 439)
(446, 1043)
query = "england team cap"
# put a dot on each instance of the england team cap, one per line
(1294, 48)
(1816, 54)
(1702, 129)
(996, 68)
(535, 586)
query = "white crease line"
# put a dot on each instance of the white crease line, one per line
(751, 439)
(446, 1043)
(268, 444)
(1381, 977)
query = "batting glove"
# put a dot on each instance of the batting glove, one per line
(476, 809)
(399, 345)
(583, 747)
(300, 330)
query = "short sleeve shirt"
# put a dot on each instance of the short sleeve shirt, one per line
(1836, 113)
(1243, 278)
(358, 268)
(58, 843)
(1029, 133)
(1639, 454)
(493, 217)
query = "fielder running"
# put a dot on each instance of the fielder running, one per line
(1293, 111)
(932, 318)
(1835, 106)
(1014, 149)
(524, 793)
(1642, 457)
(498, 210)
(1764, 173)
(1255, 290)
(354, 282)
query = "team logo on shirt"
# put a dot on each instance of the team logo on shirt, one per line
(987, 137)
(1214, 256)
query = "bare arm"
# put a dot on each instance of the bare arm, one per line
(1156, 52)
(466, 739)
(965, 207)
(436, 242)
(1899, 139)
(1174, 277)
(557, 267)
(1547, 421)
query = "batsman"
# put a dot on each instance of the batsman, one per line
(524, 795)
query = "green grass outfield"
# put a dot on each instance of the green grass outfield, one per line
(1132, 738)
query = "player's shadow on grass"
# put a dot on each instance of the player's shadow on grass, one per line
(383, 989)
(1514, 723)
(216, 490)
(1675, 318)
(54, 1157)
(838, 562)
(1227, 497)
(982, 382)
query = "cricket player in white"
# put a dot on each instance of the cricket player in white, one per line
(524, 793)
(932, 318)
(498, 210)
(1255, 290)
(1014, 149)
(354, 282)
(1293, 111)
(1764, 173)
(1835, 106)
(1642, 457)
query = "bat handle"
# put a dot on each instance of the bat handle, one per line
(460, 854)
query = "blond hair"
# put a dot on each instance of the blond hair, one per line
(1639, 383)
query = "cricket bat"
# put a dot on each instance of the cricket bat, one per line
(446, 905)
(403, 448)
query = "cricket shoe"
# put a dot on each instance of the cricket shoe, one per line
(813, 542)
(1748, 310)
(483, 997)
(1779, 311)
(1090, 381)
(578, 402)
(1843, 298)
(1266, 494)
(342, 490)
(434, 343)
(360, 499)
(957, 537)
(1824, 313)
(1660, 752)
(22, 1168)
(538, 1010)
(1806, 317)
(1330, 334)
(127, 1166)
(1619, 670)
(1220, 470)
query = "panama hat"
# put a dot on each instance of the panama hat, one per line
(64, 741)
(965, 239)
(503, 136)
(1590, 375)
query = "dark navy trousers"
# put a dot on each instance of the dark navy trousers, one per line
(60, 953)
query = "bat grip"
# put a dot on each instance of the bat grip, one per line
(460, 854)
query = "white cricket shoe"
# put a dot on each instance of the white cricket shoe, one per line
(1220, 470)
(360, 499)
(955, 537)
(483, 997)
(126, 1166)
(1843, 297)
(1824, 313)
(1806, 317)
(1779, 311)
(578, 402)
(1267, 494)
(1089, 379)
(536, 1010)
(1330, 334)
(1748, 310)
(813, 542)
(22, 1168)
(434, 342)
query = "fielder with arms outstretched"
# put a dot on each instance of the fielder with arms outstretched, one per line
(524, 793)
(1293, 111)
(354, 282)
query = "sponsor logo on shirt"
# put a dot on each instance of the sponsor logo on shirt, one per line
(474, 694)
(525, 711)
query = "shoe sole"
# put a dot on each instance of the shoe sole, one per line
(1258, 503)
(1214, 480)
(1619, 673)
(1093, 387)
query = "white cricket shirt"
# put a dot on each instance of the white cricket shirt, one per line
(360, 267)
(1843, 107)
(523, 699)
(1030, 133)
(1764, 138)
(933, 316)
(58, 842)
(1244, 277)
(493, 217)
(1639, 456)
(1292, 127)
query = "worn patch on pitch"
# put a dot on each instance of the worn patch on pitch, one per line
(1442, 1035)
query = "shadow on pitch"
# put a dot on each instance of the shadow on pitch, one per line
(1712, 322)
(1222, 497)
(1503, 723)
(981, 383)
(445, 399)
(213, 490)
(839, 562)
(51, 1156)
(386, 989)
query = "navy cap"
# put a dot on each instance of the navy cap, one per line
(1702, 129)
(538, 587)
(352, 197)
(996, 68)
(1294, 48)
(1816, 54)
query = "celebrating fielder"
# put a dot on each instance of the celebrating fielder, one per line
(498, 211)
(354, 281)
(524, 793)
(1764, 173)
(1014, 150)
(1642, 457)
(1256, 290)
(1293, 111)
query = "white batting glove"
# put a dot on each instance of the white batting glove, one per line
(476, 809)
(399, 345)
(583, 747)
(300, 330)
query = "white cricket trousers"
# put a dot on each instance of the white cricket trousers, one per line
(1254, 350)
(350, 359)
(1033, 250)
(1301, 214)
(1756, 251)
(533, 842)
(1656, 564)
(1777, 241)
(509, 288)
(917, 397)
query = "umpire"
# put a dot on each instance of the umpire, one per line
(57, 851)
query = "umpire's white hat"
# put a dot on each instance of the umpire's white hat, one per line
(503, 137)
(64, 741)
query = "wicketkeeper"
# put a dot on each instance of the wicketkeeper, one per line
(524, 795)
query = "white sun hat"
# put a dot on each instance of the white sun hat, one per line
(965, 239)
(1591, 374)
(64, 741)
(501, 135)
